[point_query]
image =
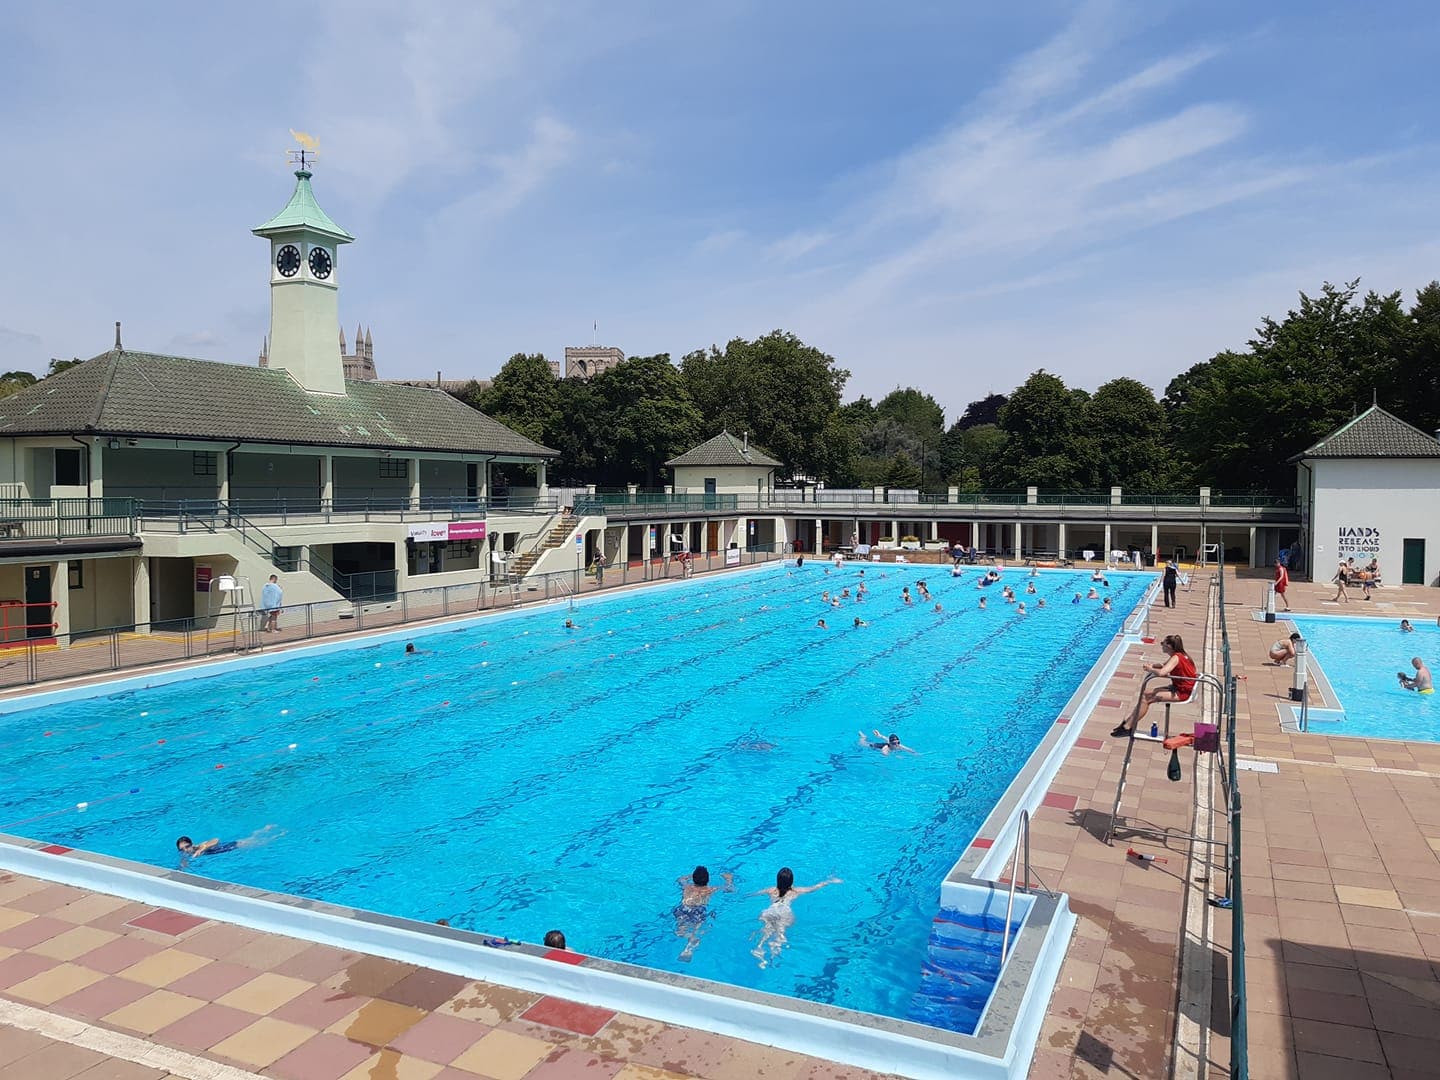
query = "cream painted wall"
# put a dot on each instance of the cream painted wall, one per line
(730, 480)
(105, 598)
(1383, 502)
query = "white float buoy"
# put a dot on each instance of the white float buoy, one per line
(81, 805)
(293, 745)
(377, 664)
(144, 714)
(284, 712)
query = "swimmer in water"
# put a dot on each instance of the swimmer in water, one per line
(1405, 627)
(888, 744)
(982, 603)
(1030, 587)
(1092, 594)
(1040, 603)
(1021, 608)
(1077, 599)
(1106, 605)
(693, 910)
(938, 609)
(571, 625)
(188, 849)
(905, 595)
(860, 622)
(777, 919)
(821, 624)
(410, 648)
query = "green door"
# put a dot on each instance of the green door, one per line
(1412, 572)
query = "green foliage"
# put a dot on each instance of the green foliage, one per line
(524, 397)
(12, 382)
(1128, 439)
(902, 472)
(649, 417)
(785, 393)
(984, 411)
(1043, 422)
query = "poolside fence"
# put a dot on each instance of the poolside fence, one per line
(1239, 1048)
(228, 631)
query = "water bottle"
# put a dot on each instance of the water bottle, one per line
(1154, 730)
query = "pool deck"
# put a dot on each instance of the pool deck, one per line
(1343, 937)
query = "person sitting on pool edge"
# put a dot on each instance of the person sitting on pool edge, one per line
(887, 745)
(1182, 672)
(1283, 651)
(1420, 682)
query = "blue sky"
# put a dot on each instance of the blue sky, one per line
(941, 195)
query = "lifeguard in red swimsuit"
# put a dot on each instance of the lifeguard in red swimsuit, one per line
(1181, 669)
(1282, 582)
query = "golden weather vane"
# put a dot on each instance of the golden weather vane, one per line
(308, 151)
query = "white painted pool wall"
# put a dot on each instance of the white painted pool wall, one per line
(1399, 497)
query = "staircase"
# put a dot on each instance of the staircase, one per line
(558, 536)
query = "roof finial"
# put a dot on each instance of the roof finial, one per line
(117, 335)
(342, 341)
(1374, 396)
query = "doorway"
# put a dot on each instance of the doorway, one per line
(1412, 569)
(37, 592)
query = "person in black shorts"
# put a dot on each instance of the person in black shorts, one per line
(1172, 578)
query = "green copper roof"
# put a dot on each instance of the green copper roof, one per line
(303, 212)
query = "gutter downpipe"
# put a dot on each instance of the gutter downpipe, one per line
(1307, 529)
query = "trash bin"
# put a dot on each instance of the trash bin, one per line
(1149, 558)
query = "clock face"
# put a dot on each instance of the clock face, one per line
(287, 260)
(320, 263)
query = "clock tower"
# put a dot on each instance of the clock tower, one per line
(304, 290)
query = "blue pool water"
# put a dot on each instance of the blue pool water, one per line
(1360, 658)
(515, 777)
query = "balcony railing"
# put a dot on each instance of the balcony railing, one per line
(66, 519)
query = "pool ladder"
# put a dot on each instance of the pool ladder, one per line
(1022, 841)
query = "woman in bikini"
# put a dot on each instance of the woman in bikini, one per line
(776, 919)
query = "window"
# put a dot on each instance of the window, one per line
(394, 468)
(202, 462)
(286, 558)
(77, 574)
(69, 467)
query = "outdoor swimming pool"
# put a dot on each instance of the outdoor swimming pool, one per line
(1359, 658)
(515, 776)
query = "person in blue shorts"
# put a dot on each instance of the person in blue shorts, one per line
(694, 907)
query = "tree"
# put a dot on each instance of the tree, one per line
(902, 472)
(785, 393)
(984, 411)
(1129, 438)
(1042, 422)
(12, 382)
(648, 415)
(524, 397)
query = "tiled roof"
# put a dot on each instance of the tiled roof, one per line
(303, 212)
(130, 393)
(1375, 433)
(724, 449)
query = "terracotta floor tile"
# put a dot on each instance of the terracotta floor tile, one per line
(164, 967)
(74, 943)
(567, 1064)
(568, 1015)
(320, 1007)
(1337, 1040)
(156, 1010)
(100, 998)
(48, 899)
(116, 918)
(440, 1038)
(262, 1043)
(52, 985)
(369, 976)
(89, 908)
(377, 1023)
(504, 1055)
(117, 955)
(204, 1027)
(219, 940)
(425, 989)
(316, 964)
(33, 931)
(392, 1065)
(265, 993)
(165, 921)
(213, 980)
(21, 966)
(1368, 897)
(322, 1057)
(1323, 1067)
(488, 1004)
(11, 917)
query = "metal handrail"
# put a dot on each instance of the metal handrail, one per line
(1022, 836)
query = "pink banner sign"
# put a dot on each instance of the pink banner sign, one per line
(467, 530)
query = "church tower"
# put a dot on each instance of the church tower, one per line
(304, 290)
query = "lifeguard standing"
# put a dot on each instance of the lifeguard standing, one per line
(1282, 582)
